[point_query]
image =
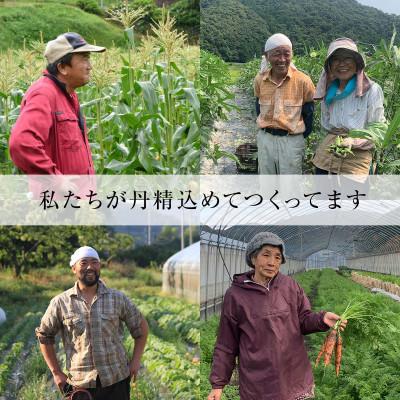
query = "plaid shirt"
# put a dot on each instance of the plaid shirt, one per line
(92, 334)
(281, 105)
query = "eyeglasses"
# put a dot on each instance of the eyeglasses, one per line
(344, 60)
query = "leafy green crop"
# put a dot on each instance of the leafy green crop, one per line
(370, 351)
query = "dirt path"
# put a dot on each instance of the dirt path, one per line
(239, 128)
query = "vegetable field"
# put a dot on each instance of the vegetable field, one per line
(142, 109)
(382, 66)
(170, 362)
(371, 350)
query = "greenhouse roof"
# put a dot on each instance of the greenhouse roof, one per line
(189, 255)
(302, 241)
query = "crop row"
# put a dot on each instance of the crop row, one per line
(173, 373)
(172, 305)
(178, 319)
(383, 277)
(21, 337)
(370, 352)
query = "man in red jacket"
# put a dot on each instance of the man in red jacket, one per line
(50, 135)
(264, 317)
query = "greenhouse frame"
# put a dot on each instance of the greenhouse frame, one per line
(367, 248)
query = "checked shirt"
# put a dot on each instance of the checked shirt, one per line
(92, 335)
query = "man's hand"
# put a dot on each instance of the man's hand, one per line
(330, 319)
(60, 379)
(134, 369)
(215, 394)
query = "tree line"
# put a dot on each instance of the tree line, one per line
(236, 30)
(23, 248)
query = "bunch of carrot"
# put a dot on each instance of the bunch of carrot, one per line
(333, 341)
(356, 310)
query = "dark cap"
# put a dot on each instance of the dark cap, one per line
(262, 239)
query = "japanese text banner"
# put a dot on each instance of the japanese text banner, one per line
(194, 200)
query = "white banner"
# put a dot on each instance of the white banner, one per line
(193, 200)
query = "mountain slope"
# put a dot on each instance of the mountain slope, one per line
(230, 29)
(306, 22)
(25, 22)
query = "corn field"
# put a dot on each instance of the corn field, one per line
(141, 106)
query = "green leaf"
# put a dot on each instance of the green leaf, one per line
(129, 35)
(177, 135)
(145, 160)
(123, 148)
(193, 99)
(393, 128)
(149, 95)
(118, 166)
(130, 119)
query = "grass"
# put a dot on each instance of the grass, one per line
(23, 23)
(235, 70)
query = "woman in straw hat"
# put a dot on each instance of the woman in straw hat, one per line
(350, 100)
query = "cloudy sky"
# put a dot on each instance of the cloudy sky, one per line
(388, 6)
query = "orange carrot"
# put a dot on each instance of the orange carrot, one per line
(330, 344)
(322, 351)
(338, 354)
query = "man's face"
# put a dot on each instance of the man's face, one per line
(87, 270)
(280, 59)
(343, 64)
(78, 73)
(267, 262)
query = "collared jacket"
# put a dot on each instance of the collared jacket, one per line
(50, 135)
(92, 335)
(264, 327)
(282, 106)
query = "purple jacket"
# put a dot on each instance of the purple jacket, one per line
(264, 327)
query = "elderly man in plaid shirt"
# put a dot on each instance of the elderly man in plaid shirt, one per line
(285, 109)
(90, 318)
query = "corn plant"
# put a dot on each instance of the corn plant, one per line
(385, 138)
(383, 66)
(142, 109)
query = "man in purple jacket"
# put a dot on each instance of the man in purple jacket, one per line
(264, 317)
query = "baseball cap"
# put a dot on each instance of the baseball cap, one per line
(67, 43)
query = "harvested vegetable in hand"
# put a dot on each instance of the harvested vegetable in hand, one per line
(338, 353)
(330, 345)
(357, 310)
(338, 148)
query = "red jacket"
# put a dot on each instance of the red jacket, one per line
(264, 327)
(50, 135)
